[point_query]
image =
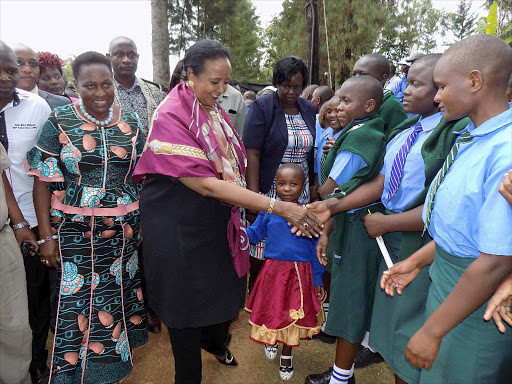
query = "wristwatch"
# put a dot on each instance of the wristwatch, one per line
(20, 225)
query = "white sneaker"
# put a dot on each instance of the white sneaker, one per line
(285, 372)
(271, 351)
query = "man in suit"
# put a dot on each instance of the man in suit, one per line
(28, 67)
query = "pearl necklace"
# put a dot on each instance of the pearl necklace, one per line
(96, 121)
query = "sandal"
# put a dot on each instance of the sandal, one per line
(228, 359)
(286, 372)
(271, 351)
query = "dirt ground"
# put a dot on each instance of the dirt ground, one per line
(153, 362)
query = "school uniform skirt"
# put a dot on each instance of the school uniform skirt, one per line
(395, 319)
(283, 304)
(353, 277)
(474, 351)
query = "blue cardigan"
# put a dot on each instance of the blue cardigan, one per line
(265, 129)
(283, 245)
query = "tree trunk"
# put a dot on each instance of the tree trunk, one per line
(160, 42)
(312, 40)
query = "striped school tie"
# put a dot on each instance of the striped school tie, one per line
(398, 164)
(323, 175)
(463, 139)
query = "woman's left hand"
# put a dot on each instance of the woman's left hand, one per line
(321, 294)
(306, 222)
(25, 234)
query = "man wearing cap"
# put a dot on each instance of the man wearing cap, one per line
(399, 92)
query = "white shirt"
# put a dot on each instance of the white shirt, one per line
(24, 123)
(392, 83)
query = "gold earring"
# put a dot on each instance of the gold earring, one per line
(191, 84)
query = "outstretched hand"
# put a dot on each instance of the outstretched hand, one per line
(499, 305)
(398, 277)
(319, 210)
(305, 223)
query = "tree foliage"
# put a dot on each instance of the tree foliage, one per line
(463, 22)
(232, 22)
(394, 28)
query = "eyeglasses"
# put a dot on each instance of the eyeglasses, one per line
(296, 88)
(31, 63)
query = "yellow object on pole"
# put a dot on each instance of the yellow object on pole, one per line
(492, 19)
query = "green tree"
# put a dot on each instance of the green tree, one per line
(232, 22)
(463, 22)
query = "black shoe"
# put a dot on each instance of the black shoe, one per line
(320, 378)
(40, 376)
(228, 359)
(325, 338)
(365, 357)
(325, 378)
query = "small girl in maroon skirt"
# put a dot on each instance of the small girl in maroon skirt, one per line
(285, 303)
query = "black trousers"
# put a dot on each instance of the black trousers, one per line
(38, 291)
(186, 348)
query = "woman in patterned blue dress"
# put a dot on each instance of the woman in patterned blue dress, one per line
(87, 209)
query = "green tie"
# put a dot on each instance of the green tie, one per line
(323, 176)
(463, 139)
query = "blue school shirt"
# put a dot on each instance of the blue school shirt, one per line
(399, 91)
(413, 176)
(325, 135)
(469, 215)
(283, 245)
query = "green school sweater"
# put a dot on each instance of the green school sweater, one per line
(391, 111)
(434, 152)
(366, 139)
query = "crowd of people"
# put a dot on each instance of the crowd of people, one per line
(128, 207)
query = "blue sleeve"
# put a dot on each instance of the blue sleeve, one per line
(316, 267)
(258, 230)
(345, 166)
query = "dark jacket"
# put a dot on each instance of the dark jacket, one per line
(265, 129)
(54, 101)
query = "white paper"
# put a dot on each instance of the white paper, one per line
(384, 251)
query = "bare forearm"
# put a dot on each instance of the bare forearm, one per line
(14, 210)
(231, 193)
(327, 188)
(477, 284)
(409, 221)
(424, 256)
(365, 194)
(42, 198)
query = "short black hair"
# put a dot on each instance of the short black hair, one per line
(234, 83)
(379, 62)
(200, 52)
(485, 53)
(293, 166)
(287, 67)
(368, 88)
(324, 93)
(89, 58)
(176, 75)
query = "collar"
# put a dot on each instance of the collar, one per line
(15, 101)
(135, 84)
(35, 91)
(429, 123)
(493, 124)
